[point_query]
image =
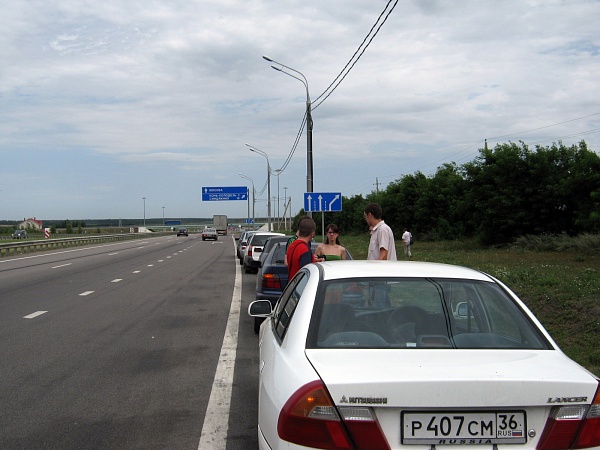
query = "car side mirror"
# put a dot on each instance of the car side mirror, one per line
(260, 308)
(462, 309)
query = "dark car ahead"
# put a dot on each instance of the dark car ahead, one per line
(272, 275)
(271, 242)
(19, 234)
(182, 232)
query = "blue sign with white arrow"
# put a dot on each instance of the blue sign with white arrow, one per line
(322, 201)
(211, 194)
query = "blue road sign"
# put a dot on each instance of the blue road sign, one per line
(322, 201)
(211, 194)
(249, 221)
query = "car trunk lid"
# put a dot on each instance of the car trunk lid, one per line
(448, 397)
(450, 378)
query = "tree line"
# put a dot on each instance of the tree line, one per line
(504, 193)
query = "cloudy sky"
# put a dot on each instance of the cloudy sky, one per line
(103, 103)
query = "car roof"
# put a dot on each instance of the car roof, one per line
(278, 238)
(405, 269)
(266, 233)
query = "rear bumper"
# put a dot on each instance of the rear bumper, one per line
(250, 262)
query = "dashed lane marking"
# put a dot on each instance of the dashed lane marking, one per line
(35, 314)
(83, 294)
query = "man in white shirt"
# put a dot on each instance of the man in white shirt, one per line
(382, 245)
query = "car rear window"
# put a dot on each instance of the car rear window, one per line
(279, 254)
(420, 313)
(259, 239)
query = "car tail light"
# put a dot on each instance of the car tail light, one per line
(249, 251)
(310, 418)
(271, 281)
(572, 426)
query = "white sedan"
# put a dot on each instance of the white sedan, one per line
(390, 355)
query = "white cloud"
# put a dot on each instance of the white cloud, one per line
(148, 96)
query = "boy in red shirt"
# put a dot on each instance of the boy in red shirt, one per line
(298, 253)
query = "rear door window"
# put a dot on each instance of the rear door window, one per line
(284, 310)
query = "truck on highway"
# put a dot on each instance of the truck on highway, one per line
(220, 224)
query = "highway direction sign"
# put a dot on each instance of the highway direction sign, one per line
(211, 194)
(322, 201)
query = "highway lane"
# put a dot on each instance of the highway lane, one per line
(121, 345)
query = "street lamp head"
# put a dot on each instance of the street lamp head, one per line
(267, 58)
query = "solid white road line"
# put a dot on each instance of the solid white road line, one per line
(35, 314)
(214, 429)
(44, 255)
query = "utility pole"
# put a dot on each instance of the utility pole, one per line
(377, 185)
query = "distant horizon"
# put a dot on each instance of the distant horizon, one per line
(132, 220)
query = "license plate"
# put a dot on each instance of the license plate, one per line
(449, 427)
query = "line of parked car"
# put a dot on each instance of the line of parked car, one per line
(263, 253)
(402, 354)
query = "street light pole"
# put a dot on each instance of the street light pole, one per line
(163, 216)
(278, 173)
(253, 199)
(144, 198)
(284, 207)
(260, 152)
(309, 123)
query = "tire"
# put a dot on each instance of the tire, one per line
(257, 322)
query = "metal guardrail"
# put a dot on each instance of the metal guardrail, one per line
(32, 246)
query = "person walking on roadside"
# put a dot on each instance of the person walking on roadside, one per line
(381, 245)
(406, 243)
(298, 253)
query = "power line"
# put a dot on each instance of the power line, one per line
(343, 73)
(352, 62)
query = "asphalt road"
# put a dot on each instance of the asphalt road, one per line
(116, 346)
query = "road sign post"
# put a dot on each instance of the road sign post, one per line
(224, 193)
(322, 201)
